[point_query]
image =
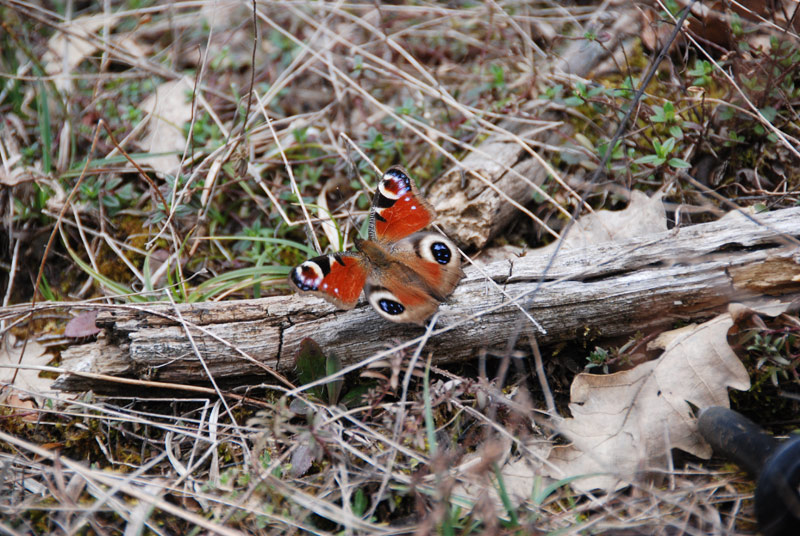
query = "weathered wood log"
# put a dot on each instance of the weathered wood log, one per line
(611, 289)
(472, 199)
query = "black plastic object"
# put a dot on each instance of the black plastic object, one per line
(775, 464)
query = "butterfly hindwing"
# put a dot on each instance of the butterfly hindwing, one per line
(338, 277)
(434, 258)
(398, 209)
(399, 302)
(425, 269)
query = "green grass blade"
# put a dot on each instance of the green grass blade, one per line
(43, 114)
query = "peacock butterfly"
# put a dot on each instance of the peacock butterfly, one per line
(404, 273)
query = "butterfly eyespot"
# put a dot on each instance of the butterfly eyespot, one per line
(307, 276)
(391, 307)
(441, 252)
(394, 184)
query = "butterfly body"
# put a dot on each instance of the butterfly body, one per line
(403, 272)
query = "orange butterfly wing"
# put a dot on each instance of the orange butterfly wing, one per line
(339, 277)
(398, 210)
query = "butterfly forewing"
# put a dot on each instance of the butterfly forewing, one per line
(339, 277)
(398, 209)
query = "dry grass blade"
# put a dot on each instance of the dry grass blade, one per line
(240, 138)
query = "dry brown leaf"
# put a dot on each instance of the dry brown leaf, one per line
(26, 409)
(27, 381)
(644, 216)
(68, 47)
(627, 422)
(168, 110)
(76, 40)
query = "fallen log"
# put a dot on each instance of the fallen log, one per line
(607, 290)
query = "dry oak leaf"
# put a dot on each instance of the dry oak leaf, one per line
(627, 422)
(643, 216)
(168, 109)
(77, 40)
(27, 381)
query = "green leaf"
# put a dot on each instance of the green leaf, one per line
(651, 159)
(359, 502)
(769, 113)
(502, 492)
(725, 112)
(659, 116)
(658, 147)
(355, 394)
(110, 284)
(679, 163)
(47, 291)
(333, 365)
(236, 280)
(310, 364)
(43, 114)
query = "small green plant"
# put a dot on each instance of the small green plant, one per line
(599, 357)
(358, 66)
(777, 353)
(182, 210)
(702, 72)
(616, 154)
(377, 144)
(258, 250)
(222, 59)
(581, 94)
(661, 155)
(553, 93)
(32, 209)
(664, 114)
(313, 365)
(205, 130)
(359, 503)
(47, 291)
(110, 191)
(407, 108)
(498, 76)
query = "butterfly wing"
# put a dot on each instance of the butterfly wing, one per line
(398, 209)
(338, 277)
(433, 257)
(394, 296)
(424, 269)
